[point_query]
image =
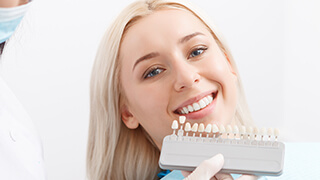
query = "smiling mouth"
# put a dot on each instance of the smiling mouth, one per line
(197, 106)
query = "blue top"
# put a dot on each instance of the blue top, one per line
(302, 161)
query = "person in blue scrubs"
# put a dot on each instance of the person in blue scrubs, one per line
(21, 155)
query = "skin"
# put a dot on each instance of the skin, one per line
(180, 72)
(12, 3)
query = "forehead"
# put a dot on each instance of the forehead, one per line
(160, 28)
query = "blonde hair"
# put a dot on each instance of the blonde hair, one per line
(114, 151)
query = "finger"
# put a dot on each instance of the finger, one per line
(223, 176)
(186, 173)
(208, 168)
(247, 177)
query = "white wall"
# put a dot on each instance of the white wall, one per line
(275, 44)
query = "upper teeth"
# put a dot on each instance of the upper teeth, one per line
(202, 103)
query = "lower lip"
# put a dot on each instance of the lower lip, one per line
(203, 112)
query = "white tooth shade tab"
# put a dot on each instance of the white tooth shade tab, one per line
(215, 128)
(235, 129)
(263, 131)
(194, 127)
(196, 106)
(174, 124)
(276, 132)
(182, 119)
(242, 130)
(187, 127)
(229, 129)
(208, 128)
(250, 130)
(201, 127)
(270, 132)
(253, 133)
(222, 129)
(256, 131)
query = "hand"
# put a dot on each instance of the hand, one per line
(209, 169)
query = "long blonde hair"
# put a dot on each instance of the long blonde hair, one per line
(114, 151)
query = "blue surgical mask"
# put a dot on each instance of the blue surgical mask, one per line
(10, 18)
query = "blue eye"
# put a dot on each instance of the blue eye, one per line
(197, 52)
(153, 72)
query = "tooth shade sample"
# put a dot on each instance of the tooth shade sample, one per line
(215, 128)
(187, 127)
(208, 128)
(174, 124)
(222, 129)
(276, 132)
(195, 127)
(263, 131)
(235, 129)
(229, 129)
(242, 130)
(182, 119)
(270, 132)
(250, 130)
(255, 130)
(201, 127)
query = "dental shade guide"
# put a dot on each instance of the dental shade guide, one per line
(246, 150)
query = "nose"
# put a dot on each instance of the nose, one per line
(186, 76)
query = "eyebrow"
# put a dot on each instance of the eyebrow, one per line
(155, 54)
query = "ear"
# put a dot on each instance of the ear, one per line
(229, 63)
(127, 118)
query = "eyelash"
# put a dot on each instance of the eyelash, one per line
(147, 75)
(203, 49)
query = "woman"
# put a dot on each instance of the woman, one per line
(156, 61)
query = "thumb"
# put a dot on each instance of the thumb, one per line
(207, 169)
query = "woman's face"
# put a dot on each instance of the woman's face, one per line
(170, 65)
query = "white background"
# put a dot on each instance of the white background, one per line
(48, 63)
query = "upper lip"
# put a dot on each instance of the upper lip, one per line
(195, 99)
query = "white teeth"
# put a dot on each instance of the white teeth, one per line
(186, 111)
(190, 108)
(206, 100)
(196, 106)
(202, 103)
